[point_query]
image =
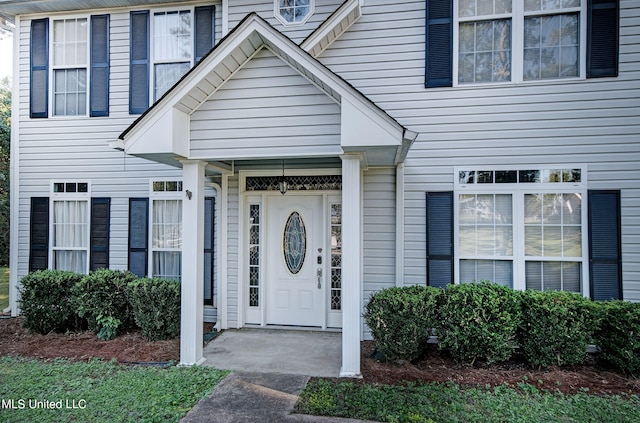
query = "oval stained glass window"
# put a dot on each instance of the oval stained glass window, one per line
(294, 243)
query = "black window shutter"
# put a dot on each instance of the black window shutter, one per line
(204, 33)
(138, 236)
(439, 43)
(139, 62)
(99, 242)
(605, 257)
(602, 38)
(39, 68)
(209, 225)
(99, 85)
(439, 238)
(39, 234)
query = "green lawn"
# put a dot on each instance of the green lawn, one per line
(99, 391)
(451, 403)
(4, 288)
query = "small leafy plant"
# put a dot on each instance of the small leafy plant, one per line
(618, 335)
(104, 293)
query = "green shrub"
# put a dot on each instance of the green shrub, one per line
(400, 320)
(156, 307)
(556, 327)
(478, 320)
(104, 293)
(46, 301)
(618, 335)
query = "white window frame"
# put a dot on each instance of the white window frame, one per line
(162, 195)
(283, 21)
(53, 68)
(152, 60)
(517, 17)
(518, 192)
(69, 196)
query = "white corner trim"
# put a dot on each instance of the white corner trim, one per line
(225, 17)
(14, 172)
(223, 318)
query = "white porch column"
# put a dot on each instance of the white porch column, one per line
(192, 291)
(351, 265)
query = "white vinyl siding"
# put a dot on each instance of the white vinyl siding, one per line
(271, 109)
(379, 236)
(594, 121)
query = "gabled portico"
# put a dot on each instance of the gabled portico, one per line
(207, 125)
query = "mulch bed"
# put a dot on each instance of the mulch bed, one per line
(434, 367)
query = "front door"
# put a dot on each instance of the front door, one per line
(294, 251)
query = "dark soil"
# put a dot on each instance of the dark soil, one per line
(434, 367)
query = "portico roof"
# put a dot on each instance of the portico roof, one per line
(163, 130)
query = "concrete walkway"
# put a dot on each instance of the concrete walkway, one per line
(297, 352)
(271, 368)
(255, 398)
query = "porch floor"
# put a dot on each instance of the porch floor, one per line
(297, 352)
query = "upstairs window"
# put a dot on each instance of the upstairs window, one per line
(72, 53)
(164, 46)
(70, 59)
(293, 12)
(172, 49)
(502, 41)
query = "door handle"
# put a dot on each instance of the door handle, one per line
(319, 273)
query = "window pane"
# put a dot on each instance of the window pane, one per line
(552, 241)
(486, 52)
(533, 241)
(533, 275)
(167, 224)
(70, 92)
(72, 261)
(551, 46)
(166, 75)
(572, 209)
(485, 224)
(496, 271)
(70, 224)
(167, 264)
(571, 277)
(552, 276)
(172, 36)
(572, 241)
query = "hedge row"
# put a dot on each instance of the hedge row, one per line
(487, 321)
(108, 302)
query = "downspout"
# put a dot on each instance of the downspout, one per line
(14, 172)
(400, 224)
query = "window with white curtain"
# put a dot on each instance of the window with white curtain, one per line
(70, 59)
(522, 228)
(70, 226)
(166, 230)
(172, 48)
